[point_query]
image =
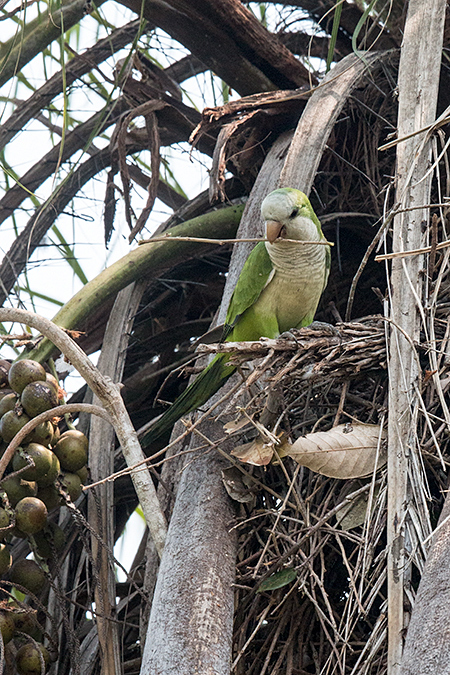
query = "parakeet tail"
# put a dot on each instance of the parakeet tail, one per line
(196, 395)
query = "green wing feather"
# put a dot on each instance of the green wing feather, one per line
(202, 388)
(253, 278)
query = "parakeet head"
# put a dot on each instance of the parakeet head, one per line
(288, 214)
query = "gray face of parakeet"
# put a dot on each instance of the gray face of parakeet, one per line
(288, 214)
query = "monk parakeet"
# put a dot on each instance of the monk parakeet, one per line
(278, 289)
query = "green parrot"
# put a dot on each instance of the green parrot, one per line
(278, 289)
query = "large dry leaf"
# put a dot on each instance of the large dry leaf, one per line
(258, 452)
(346, 451)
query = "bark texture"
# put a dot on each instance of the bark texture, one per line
(190, 627)
(427, 646)
(418, 90)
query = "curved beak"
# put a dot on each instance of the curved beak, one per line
(273, 230)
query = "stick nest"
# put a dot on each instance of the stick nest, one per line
(326, 537)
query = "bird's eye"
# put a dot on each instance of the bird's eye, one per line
(294, 213)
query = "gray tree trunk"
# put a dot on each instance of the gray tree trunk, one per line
(418, 86)
(427, 646)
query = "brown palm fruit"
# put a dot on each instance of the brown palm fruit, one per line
(83, 473)
(37, 397)
(7, 401)
(25, 620)
(28, 574)
(31, 515)
(52, 537)
(51, 497)
(41, 456)
(4, 519)
(43, 434)
(17, 488)
(30, 657)
(23, 372)
(51, 379)
(72, 450)
(72, 483)
(5, 559)
(7, 625)
(12, 422)
(52, 474)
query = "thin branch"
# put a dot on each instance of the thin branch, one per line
(222, 242)
(416, 251)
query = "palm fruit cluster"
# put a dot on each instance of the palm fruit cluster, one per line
(46, 470)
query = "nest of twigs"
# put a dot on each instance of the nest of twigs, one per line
(311, 570)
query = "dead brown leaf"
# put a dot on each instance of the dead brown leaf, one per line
(346, 451)
(258, 452)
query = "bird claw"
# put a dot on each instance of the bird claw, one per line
(321, 326)
(325, 327)
(289, 335)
